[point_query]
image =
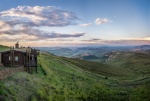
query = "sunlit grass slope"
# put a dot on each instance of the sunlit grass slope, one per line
(64, 79)
(139, 63)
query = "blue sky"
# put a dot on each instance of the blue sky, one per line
(75, 22)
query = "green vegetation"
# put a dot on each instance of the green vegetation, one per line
(66, 79)
(2, 91)
(97, 68)
(2, 48)
(137, 62)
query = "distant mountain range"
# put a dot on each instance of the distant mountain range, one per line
(90, 53)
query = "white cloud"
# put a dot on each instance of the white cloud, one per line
(35, 34)
(19, 23)
(86, 24)
(147, 38)
(4, 26)
(40, 16)
(99, 21)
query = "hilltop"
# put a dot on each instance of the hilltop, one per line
(61, 78)
(3, 47)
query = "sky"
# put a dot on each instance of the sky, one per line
(43, 23)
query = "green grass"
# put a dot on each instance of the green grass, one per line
(136, 62)
(2, 48)
(65, 79)
(98, 68)
(2, 91)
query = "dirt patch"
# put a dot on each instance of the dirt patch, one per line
(9, 71)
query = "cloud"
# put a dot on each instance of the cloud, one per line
(147, 38)
(99, 21)
(32, 34)
(93, 40)
(24, 22)
(85, 25)
(59, 35)
(4, 26)
(123, 42)
(40, 16)
(128, 42)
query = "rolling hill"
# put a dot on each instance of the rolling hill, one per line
(65, 79)
(2, 48)
(135, 61)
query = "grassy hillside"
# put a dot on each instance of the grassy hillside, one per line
(64, 79)
(2, 48)
(137, 62)
(98, 68)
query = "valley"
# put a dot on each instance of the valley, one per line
(120, 76)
